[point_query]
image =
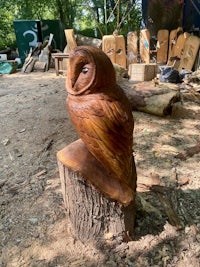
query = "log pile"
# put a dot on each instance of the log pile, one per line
(145, 97)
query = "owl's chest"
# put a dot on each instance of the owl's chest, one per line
(87, 105)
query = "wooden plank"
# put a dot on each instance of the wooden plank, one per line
(71, 41)
(190, 51)
(71, 44)
(178, 48)
(162, 46)
(173, 36)
(145, 46)
(109, 46)
(45, 53)
(114, 47)
(29, 62)
(120, 56)
(132, 47)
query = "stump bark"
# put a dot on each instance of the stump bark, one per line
(92, 215)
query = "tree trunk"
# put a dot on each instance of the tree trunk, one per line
(160, 105)
(92, 215)
(146, 97)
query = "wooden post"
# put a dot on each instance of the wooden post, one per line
(92, 215)
(162, 46)
(178, 48)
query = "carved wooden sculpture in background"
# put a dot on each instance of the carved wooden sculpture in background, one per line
(102, 116)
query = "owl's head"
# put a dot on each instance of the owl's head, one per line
(90, 70)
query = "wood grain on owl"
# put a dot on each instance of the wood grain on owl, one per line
(102, 115)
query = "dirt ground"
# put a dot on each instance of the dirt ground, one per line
(33, 225)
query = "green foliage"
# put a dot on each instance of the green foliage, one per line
(88, 32)
(123, 15)
(87, 17)
(7, 36)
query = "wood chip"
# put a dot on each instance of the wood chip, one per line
(22, 130)
(41, 173)
(183, 181)
(6, 141)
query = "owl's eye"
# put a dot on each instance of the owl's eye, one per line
(84, 70)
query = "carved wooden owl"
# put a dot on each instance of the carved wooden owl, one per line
(102, 117)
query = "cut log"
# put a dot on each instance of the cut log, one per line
(145, 46)
(160, 105)
(85, 40)
(145, 97)
(92, 215)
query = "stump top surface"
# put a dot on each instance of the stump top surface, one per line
(77, 158)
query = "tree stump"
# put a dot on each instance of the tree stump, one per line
(92, 215)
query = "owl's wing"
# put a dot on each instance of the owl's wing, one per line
(106, 127)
